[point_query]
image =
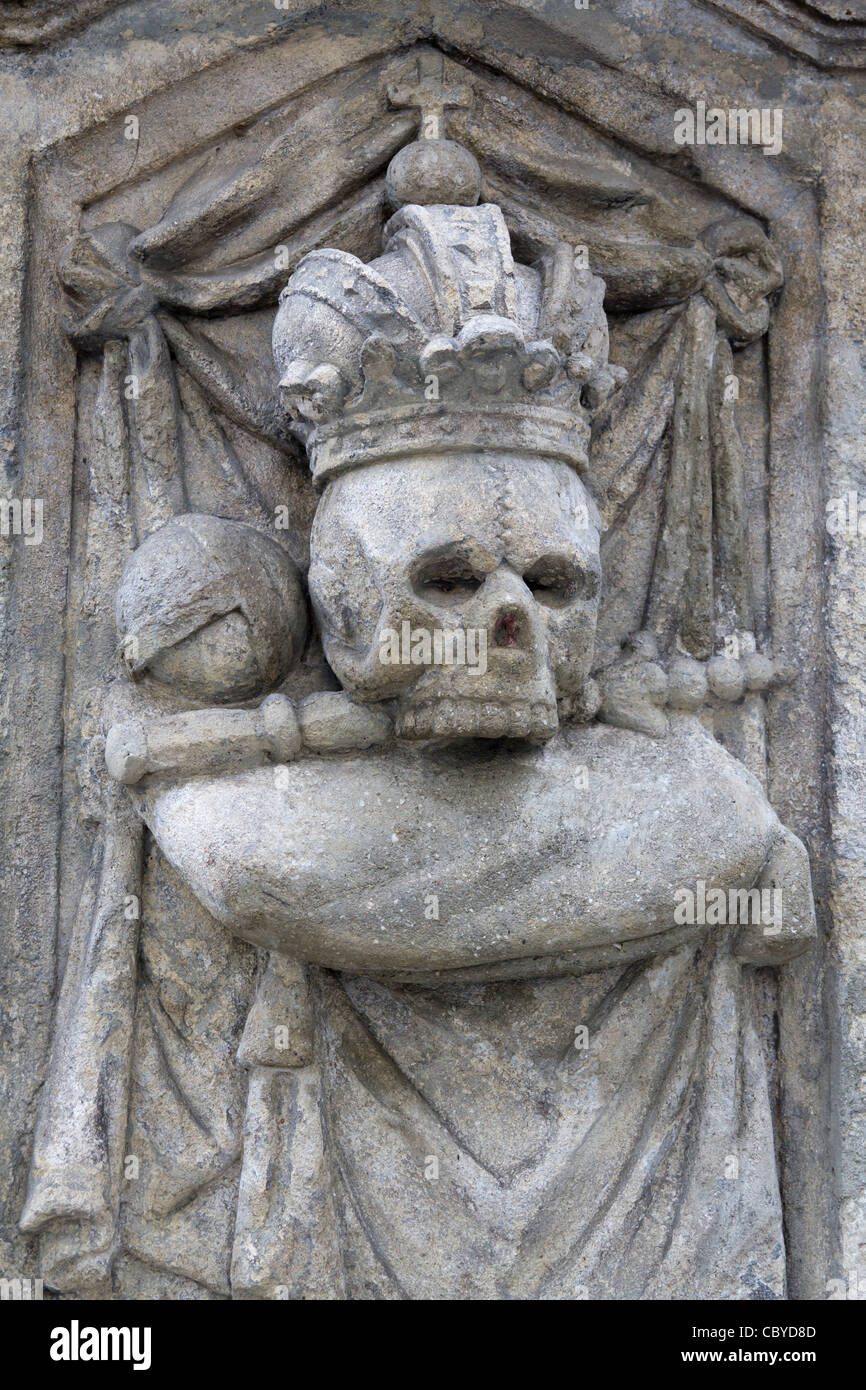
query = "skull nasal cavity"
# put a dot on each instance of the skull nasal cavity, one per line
(507, 630)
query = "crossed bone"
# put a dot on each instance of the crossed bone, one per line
(226, 740)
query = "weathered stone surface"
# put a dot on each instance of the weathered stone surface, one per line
(432, 689)
(528, 861)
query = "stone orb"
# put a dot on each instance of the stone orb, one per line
(433, 171)
(212, 608)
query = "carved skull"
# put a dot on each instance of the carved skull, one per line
(497, 554)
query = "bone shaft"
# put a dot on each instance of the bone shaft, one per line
(220, 740)
(204, 738)
(197, 741)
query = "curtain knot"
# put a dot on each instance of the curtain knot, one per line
(107, 297)
(746, 271)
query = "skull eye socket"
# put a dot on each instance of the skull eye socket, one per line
(557, 580)
(446, 579)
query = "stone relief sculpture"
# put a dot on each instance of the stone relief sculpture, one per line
(383, 982)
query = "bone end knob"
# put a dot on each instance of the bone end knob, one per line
(126, 752)
(331, 722)
(279, 727)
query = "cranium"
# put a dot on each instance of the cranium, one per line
(496, 553)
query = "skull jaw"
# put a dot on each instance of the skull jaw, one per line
(448, 706)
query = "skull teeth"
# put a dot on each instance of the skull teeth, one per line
(442, 718)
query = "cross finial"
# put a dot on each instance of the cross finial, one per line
(427, 90)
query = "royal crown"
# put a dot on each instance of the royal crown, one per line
(443, 344)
